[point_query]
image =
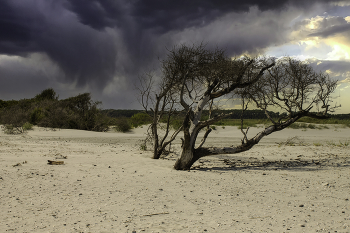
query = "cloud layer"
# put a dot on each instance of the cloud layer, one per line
(102, 46)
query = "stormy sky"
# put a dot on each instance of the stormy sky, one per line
(102, 46)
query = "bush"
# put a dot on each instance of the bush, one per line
(140, 119)
(122, 125)
(14, 116)
(143, 147)
(27, 126)
(102, 122)
(47, 94)
(10, 129)
(36, 116)
(176, 123)
(298, 126)
(305, 126)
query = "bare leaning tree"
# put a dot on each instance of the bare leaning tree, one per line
(196, 77)
(160, 106)
(160, 97)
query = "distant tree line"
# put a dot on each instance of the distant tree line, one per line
(117, 113)
(248, 114)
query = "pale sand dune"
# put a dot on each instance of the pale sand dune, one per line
(108, 185)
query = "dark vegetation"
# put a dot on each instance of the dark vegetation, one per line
(46, 110)
(248, 114)
(117, 113)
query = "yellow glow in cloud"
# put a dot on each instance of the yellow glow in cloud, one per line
(340, 43)
(341, 47)
(339, 53)
(310, 43)
(315, 22)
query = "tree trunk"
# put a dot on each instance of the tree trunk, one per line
(186, 160)
(157, 152)
(188, 151)
(155, 138)
(191, 130)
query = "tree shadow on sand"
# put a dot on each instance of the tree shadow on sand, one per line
(297, 164)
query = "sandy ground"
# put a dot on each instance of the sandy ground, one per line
(108, 185)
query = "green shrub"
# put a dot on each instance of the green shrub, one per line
(140, 119)
(14, 116)
(36, 116)
(176, 123)
(122, 125)
(143, 146)
(10, 129)
(340, 144)
(47, 94)
(298, 126)
(325, 121)
(27, 126)
(102, 122)
(322, 127)
(294, 141)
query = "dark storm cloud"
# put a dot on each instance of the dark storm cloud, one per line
(47, 27)
(176, 14)
(12, 25)
(25, 25)
(162, 16)
(96, 41)
(17, 28)
(99, 13)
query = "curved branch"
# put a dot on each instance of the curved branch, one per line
(201, 152)
(165, 144)
(205, 137)
(238, 84)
